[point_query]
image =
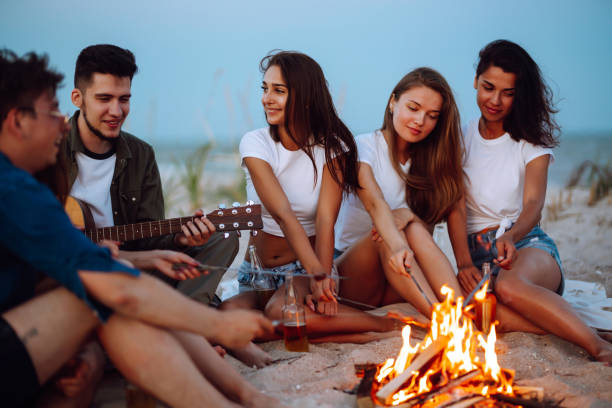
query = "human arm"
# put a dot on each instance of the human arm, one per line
(534, 194)
(163, 261)
(274, 199)
(384, 221)
(330, 198)
(468, 275)
(148, 299)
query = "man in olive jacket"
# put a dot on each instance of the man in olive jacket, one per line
(116, 175)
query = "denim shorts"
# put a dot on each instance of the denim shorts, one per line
(482, 248)
(245, 276)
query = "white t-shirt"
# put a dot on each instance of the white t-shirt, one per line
(294, 172)
(354, 221)
(92, 186)
(495, 175)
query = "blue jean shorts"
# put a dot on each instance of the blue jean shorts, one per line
(482, 248)
(245, 276)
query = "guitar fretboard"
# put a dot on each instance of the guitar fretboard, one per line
(224, 220)
(140, 230)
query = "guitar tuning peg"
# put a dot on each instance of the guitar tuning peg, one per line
(226, 235)
(222, 206)
(235, 204)
(250, 202)
(253, 233)
(238, 233)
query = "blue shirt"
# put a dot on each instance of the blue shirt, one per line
(37, 237)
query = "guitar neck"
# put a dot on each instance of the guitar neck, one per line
(224, 220)
(131, 232)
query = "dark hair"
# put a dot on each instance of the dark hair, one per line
(531, 117)
(23, 80)
(434, 182)
(311, 118)
(103, 59)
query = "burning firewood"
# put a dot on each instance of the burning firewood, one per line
(385, 393)
(455, 365)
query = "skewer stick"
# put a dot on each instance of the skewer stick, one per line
(385, 393)
(205, 268)
(416, 283)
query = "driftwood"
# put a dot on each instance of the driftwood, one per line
(385, 393)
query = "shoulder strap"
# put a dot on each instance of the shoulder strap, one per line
(89, 221)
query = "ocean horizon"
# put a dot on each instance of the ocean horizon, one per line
(574, 148)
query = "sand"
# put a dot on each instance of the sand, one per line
(319, 379)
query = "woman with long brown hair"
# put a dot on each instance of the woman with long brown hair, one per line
(410, 174)
(298, 168)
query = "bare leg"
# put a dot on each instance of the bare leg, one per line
(432, 261)
(153, 359)
(348, 320)
(438, 271)
(405, 286)
(529, 288)
(53, 327)
(221, 374)
(251, 355)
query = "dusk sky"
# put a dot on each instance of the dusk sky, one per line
(199, 61)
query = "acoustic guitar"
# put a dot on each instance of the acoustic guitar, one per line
(236, 218)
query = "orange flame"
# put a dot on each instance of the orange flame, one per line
(461, 355)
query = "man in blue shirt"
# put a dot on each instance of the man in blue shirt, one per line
(155, 336)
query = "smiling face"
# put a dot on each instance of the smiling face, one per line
(495, 93)
(275, 95)
(43, 132)
(104, 104)
(415, 113)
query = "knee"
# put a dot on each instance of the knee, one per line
(415, 230)
(508, 290)
(274, 309)
(229, 305)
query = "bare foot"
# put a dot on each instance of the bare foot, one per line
(605, 352)
(82, 371)
(606, 335)
(252, 355)
(261, 400)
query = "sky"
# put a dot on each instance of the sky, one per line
(198, 61)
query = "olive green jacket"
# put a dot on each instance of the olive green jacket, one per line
(136, 190)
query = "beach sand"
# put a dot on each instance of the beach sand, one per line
(319, 379)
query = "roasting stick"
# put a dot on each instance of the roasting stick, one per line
(486, 277)
(205, 268)
(416, 283)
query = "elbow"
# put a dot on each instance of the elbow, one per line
(125, 298)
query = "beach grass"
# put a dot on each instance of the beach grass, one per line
(598, 179)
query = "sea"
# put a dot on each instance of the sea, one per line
(223, 162)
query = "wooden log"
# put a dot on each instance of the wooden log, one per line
(527, 403)
(422, 398)
(385, 393)
(364, 391)
(533, 393)
(463, 403)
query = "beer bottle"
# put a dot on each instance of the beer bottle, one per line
(262, 283)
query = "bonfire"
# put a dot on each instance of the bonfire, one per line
(454, 364)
